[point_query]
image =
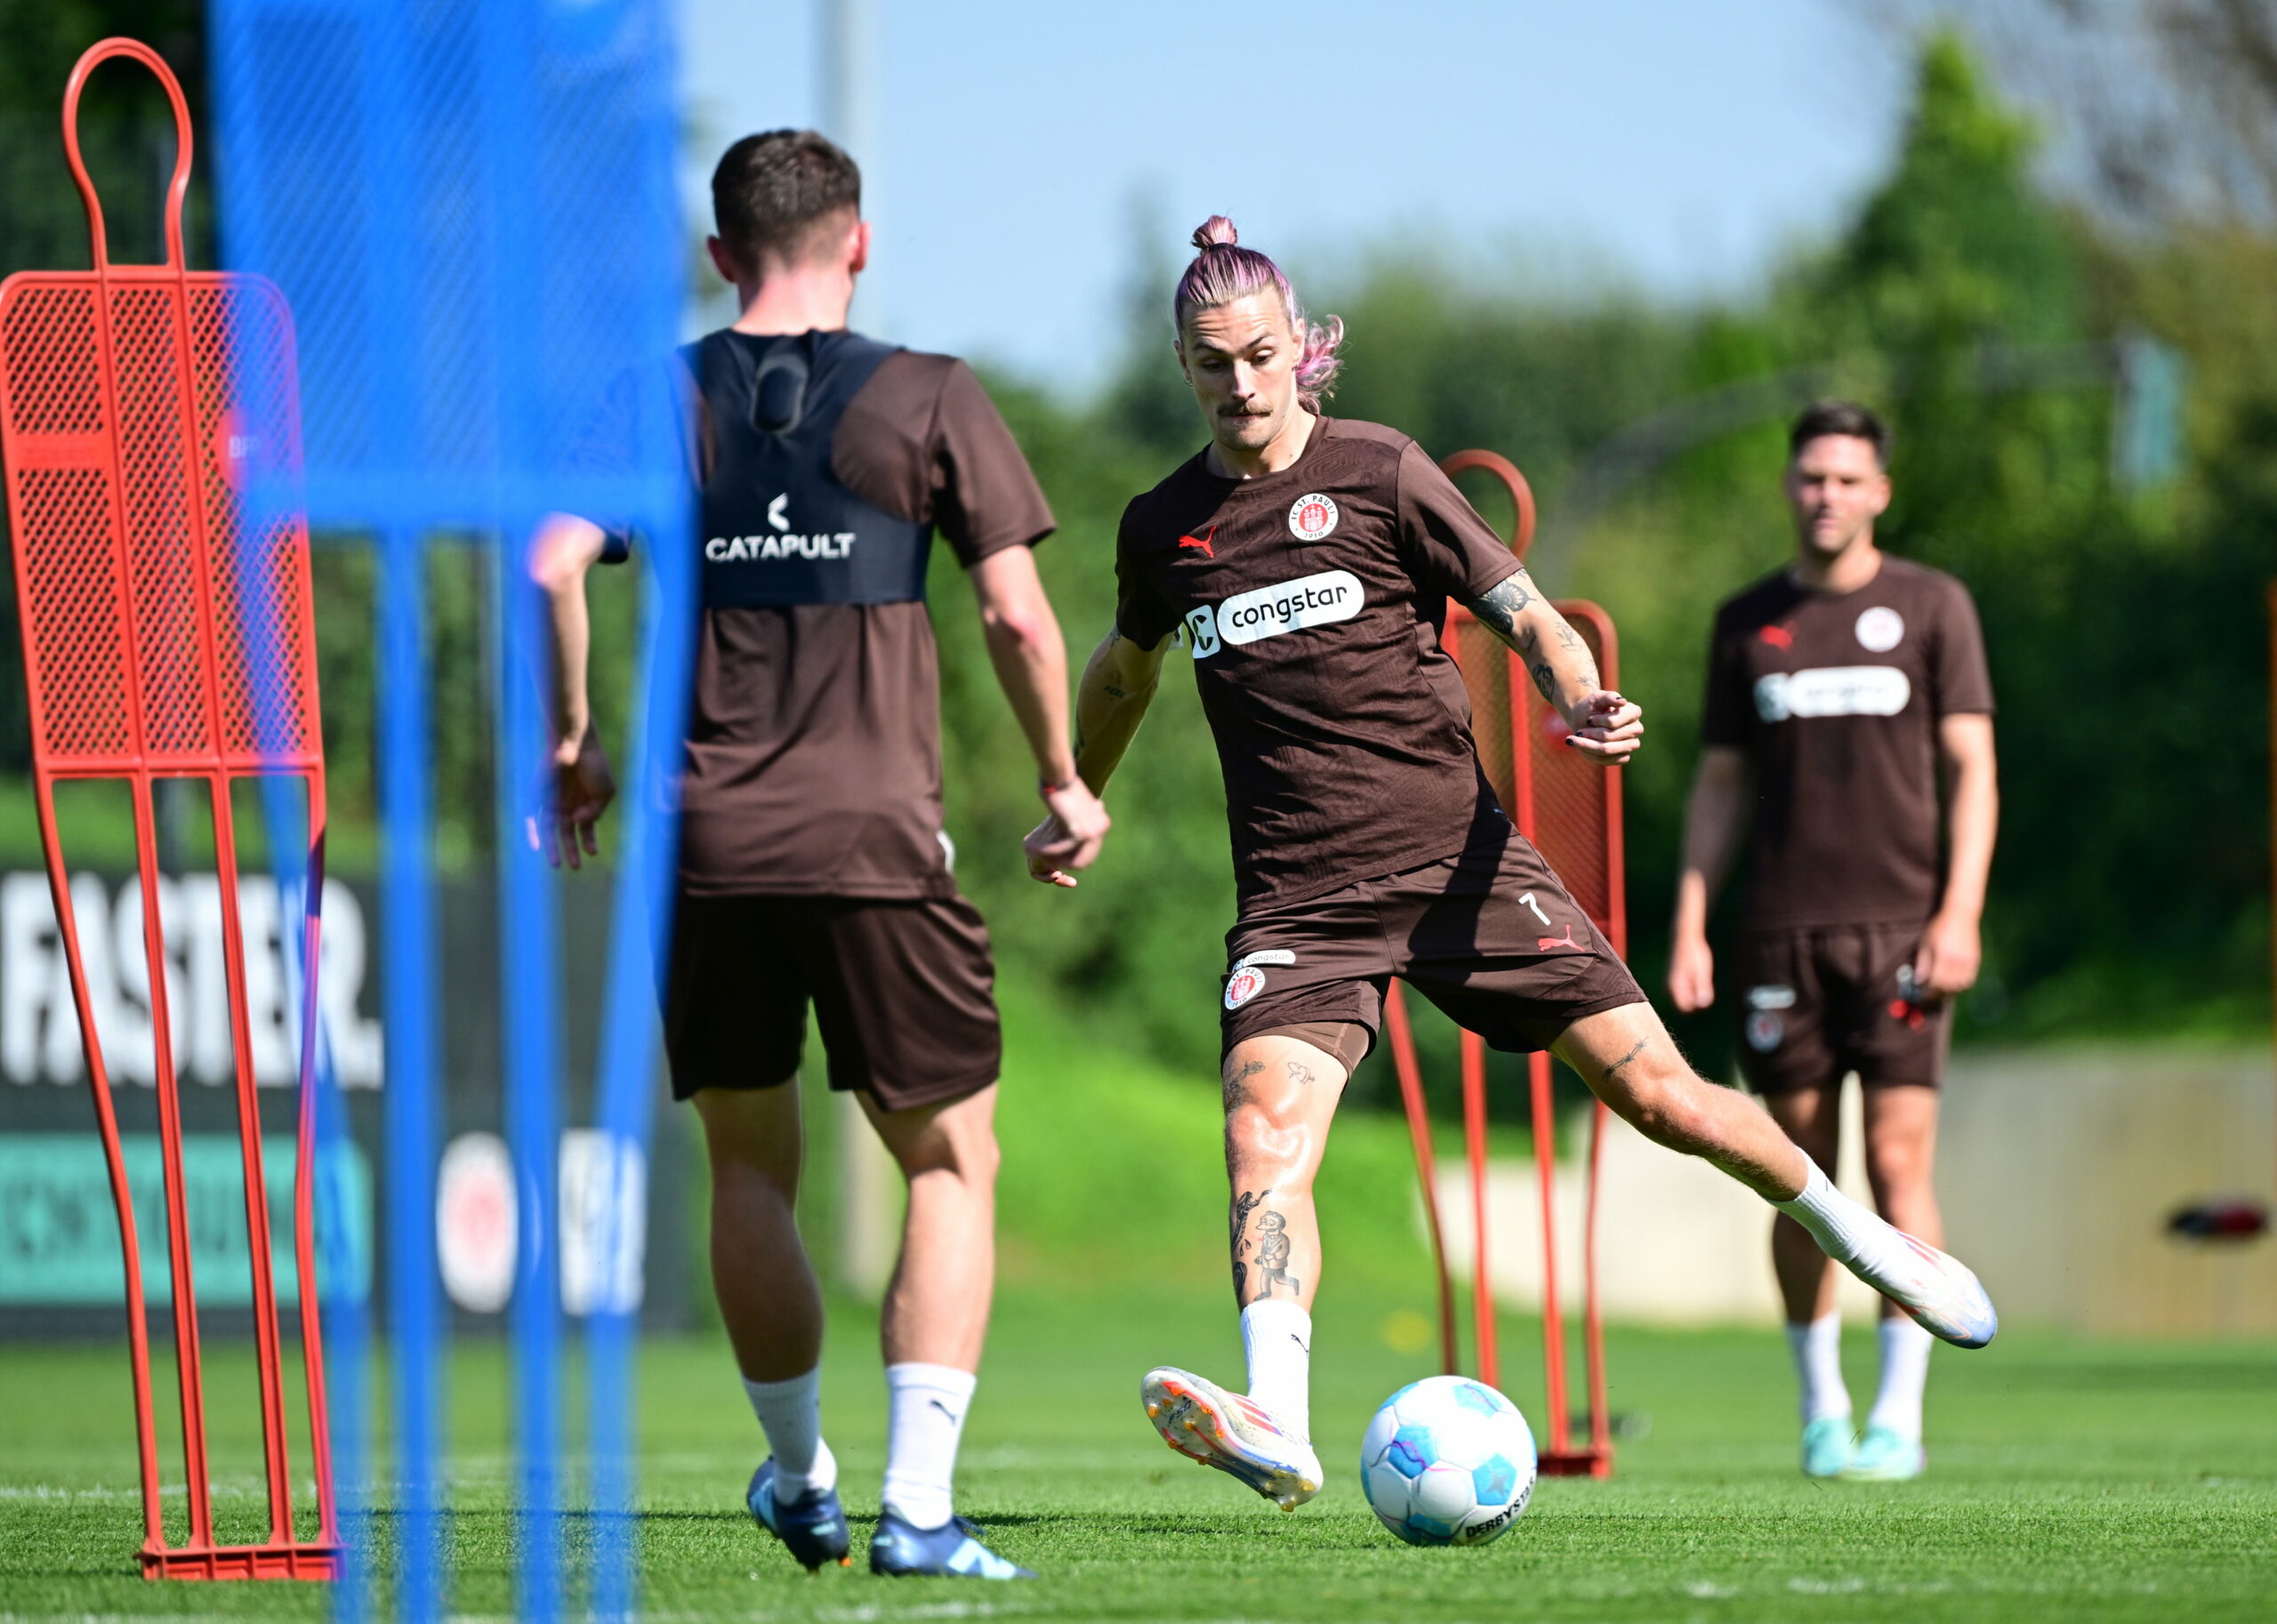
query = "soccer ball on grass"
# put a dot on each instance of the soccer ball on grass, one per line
(1447, 1461)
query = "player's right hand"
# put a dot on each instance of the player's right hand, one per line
(1069, 838)
(583, 788)
(1607, 728)
(1692, 974)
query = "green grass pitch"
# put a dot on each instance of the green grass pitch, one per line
(2069, 1480)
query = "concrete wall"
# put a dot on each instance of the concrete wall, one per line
(2058, 1169)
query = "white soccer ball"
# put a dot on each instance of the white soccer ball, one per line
(1447, 1461)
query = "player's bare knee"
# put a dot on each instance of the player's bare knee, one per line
(1261, 1139)
(967, 1153)
(1667, 1108)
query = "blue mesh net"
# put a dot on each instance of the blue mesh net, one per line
(470, 206)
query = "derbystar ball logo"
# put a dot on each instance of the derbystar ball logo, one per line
(749, 548)
(1268, 611)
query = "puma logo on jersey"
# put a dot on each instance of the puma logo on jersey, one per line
(1202, 541)
(1778, 637)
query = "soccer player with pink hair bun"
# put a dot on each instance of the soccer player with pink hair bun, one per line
(1307, 562)
(1223, 271)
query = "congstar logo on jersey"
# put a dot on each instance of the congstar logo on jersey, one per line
(748, 549)
(1833, 690)
(1268, 611)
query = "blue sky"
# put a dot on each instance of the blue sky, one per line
(1021, 150)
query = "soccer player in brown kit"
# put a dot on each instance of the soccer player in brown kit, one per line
(1836, 689)
(813, 867)
(1309, 560)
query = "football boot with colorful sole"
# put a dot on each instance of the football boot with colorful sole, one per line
(1239, 1436)
(900, 1549)
(812, 1527)
(1941, 1294)
(1884, 1456)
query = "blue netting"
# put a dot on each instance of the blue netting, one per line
(470, 206)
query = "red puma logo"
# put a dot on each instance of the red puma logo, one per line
(1202, 541)
(1913, 1014)
(1548, 942)
(1778, 637)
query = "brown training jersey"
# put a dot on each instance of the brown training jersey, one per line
(814, 737)
(1835, 697)
(1312, 600)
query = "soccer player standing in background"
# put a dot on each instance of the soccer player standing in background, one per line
(812, 860)
(1836, 689)
(1309, 560)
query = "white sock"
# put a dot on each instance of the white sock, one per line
(1817, 1346)
(1852, 1236)
(790, 1412)
(926, 1405)
(1905, 1372)
(1278, 1339)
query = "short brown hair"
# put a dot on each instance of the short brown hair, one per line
(770, 191)
(1843, 417)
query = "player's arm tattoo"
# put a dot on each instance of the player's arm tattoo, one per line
(1237, 1088)
(1502, 604)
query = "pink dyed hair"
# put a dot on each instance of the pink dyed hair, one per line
(1223, 271)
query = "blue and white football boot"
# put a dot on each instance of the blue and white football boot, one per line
(1238, 1435)
(900, 1549)
(1884, 1456)
(812, 1528)
(1828, 1447)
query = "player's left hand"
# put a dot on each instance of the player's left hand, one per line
(1606, 727)
(583, 788)
(1949, 956)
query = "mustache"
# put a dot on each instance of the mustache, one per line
(1233, 411)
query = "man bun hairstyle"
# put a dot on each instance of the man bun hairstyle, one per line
(1844, 417)
(771, 193)
(1223, 271)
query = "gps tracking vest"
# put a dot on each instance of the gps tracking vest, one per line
(777, 527)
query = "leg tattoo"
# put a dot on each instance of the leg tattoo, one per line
(1273, 1255)
(1613, 1070)
(1245, 1203)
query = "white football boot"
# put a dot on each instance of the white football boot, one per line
(1938, 1293)
(1238, 1435)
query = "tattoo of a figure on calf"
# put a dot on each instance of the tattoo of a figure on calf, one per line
(1273, 1255)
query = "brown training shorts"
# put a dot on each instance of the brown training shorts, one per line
(1490, 937)
(903, 991)
(1813, 1004)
